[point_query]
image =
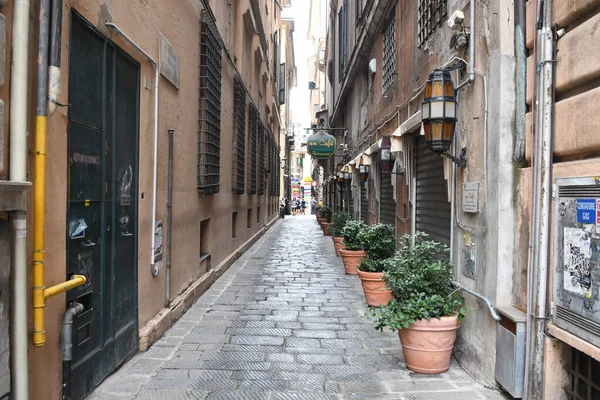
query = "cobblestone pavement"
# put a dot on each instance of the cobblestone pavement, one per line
(283, 323)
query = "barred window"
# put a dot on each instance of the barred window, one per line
(253, 138)
(209, 133)
(342, 40)
(261, 158)
(430, 14)
(239, 141)
(389, 52)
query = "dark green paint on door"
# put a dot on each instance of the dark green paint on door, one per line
(103, 174)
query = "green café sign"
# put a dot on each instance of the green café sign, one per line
(321, 145)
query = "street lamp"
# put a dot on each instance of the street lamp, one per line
(363, 172)
(340, 173)
(438, 114)
(386, 160)
(347, 174)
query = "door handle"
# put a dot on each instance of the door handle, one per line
(125, 234)
(89, 243)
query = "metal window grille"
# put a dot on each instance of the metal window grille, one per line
(430, 14)
(261, 158)
(585, 377)
(253, 137)
(342, 42)
(209, 133)
(389, 52)
(239, 142)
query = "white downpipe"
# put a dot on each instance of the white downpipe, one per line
(18, 172)
(541, 209)
(472, 44)
(153, 268)
(154, 63)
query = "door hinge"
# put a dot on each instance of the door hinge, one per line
(106, 187)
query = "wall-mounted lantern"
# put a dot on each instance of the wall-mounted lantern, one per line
(386, 160)
(363, 172)
(347, 174)
(438, 114)
(340, 173)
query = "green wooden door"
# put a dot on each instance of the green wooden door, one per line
(102, 197)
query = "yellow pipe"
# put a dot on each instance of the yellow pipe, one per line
(75, 281)
(40, 293)
(39, 205)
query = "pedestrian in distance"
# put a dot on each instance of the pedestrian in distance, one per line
(303, 206)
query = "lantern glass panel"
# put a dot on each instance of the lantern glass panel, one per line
(450, 109)
(437, 109)
(428, 89)
(448, 131)
(362, 169)
(448, 89)
(425, 111)
(427, 129)
(384, 154)
(436, 131)
(437, 89)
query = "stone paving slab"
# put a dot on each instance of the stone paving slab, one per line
(283, 323)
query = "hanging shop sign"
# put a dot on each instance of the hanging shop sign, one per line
(321, 145)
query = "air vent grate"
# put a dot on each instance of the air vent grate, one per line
(579, 191)
(577, 320)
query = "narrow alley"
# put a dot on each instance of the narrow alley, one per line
(284, 322)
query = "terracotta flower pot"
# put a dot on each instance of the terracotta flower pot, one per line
(337, 243)
(351, 260)
(376, 292)
(321, 220)
(427, 345)
(325, 226)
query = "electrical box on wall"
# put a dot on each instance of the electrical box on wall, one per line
(577, 257)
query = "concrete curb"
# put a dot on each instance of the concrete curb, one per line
(157, 326)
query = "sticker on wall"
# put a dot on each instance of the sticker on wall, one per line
(158, 241)
(577, 274)
(78, 229)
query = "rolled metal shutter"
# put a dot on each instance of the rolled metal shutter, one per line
(387, 205)
(364, 203)
(433, 207)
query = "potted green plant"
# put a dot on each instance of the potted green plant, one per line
(353, 252)
(379, 242)
(426, 309)
(338, 221)
(326, 214)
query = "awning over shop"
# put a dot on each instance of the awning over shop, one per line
(410, 125)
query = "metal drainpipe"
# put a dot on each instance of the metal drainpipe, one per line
(169, 221)
(487, 302)
(472, 44)
(541, 209)
(67, 353)
(521, 80)
(39, 184)
(54, 78)
(18, 172)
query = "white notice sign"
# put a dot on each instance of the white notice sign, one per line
(169, 62)
(470, 197)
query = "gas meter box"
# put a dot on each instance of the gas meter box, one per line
(577, 257)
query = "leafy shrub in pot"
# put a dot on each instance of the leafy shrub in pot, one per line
(424, 304)
(338, 221)
(379, 242)
(353, 252)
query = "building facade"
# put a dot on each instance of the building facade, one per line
(162, 165)
(521, 69)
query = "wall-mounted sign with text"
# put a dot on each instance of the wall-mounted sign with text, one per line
(321, 145)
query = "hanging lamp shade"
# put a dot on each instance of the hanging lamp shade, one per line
(439, 111)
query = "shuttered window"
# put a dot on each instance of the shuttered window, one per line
(433, 207)
(387, 205)
(364, 204)
(209, 132)
(239, 141)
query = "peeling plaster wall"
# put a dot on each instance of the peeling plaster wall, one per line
(5, 268)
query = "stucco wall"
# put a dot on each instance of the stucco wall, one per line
(5, 268)
(143, 21)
